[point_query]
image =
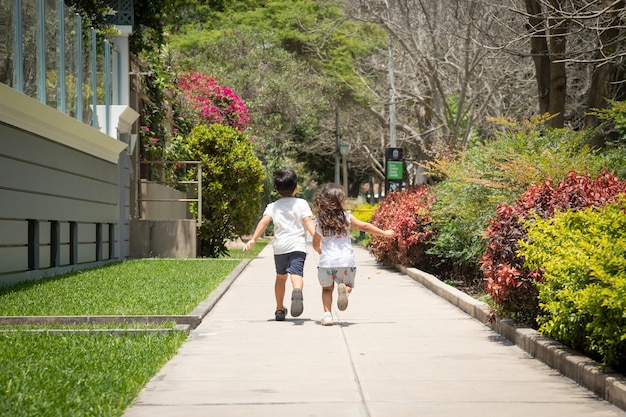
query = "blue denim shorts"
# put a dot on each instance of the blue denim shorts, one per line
(290, 263)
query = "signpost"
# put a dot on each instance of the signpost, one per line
(394, 169)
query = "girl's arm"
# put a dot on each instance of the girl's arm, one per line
(317, 243)
(370, 228)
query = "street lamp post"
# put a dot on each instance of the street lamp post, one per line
(337, 150)
(392, 89)
(344, 148)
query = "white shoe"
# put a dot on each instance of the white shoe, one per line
(342, 297)
(327, 320)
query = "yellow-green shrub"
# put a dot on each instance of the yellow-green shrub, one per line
(583, 293)
(364, 212)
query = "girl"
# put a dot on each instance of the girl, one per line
(332, 241)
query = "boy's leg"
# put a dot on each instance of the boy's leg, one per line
(297, 281)
(297, 305)
(279, 292)
(282, 266)
(296, 272)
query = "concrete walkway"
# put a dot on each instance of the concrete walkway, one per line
(398, 350)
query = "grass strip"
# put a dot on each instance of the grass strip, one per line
(50, 374)
(79, 374)
(134, 287)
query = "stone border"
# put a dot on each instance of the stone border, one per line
(608, 385)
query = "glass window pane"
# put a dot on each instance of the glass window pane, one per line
(7, 47)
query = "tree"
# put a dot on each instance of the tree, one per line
(577, 48)
(445, 81)
(293, 63)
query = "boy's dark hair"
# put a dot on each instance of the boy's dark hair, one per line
(285, 182)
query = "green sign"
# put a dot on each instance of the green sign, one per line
(394, 170)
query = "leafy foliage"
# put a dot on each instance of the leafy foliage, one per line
(614, 151)
(285, 101)
(520, 154)
(407, 213)
(509, 282)
(232, 181)
(364, 212)
(582, 256)
(157, 105)
(292, 62)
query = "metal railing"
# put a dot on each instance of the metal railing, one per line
(168, 173)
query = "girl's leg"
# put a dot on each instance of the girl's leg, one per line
(327, 297)
(327, 301)
(345, 279)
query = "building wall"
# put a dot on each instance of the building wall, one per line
(60, 193)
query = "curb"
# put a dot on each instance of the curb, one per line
(608, 385)
(205, 306)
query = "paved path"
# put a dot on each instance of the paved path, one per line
(398, 350)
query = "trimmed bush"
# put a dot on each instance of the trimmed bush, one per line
(406, 212)
(510, 283)
(582, 256)
(232, 181)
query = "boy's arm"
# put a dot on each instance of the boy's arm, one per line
(370, 228)
(260, 228)
(309, 225)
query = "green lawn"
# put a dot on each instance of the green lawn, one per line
(96, 374)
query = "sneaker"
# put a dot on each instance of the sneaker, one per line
(280, 314)
(296, 302)
(342, 297)
(327, 320)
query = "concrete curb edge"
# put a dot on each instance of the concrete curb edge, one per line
(205, 306)
(610, 386)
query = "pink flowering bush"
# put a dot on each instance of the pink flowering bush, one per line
(213, 103)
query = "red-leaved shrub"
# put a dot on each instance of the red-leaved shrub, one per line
(510, 284)
(408, 213)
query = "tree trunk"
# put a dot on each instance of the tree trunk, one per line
(605, 73)
(539, 52)
(558, 78)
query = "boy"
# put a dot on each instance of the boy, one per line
(292, 218)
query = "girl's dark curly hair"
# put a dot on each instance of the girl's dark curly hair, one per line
(328, 205)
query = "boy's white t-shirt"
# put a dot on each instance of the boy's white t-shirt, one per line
(337, 249)
(287, 214)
